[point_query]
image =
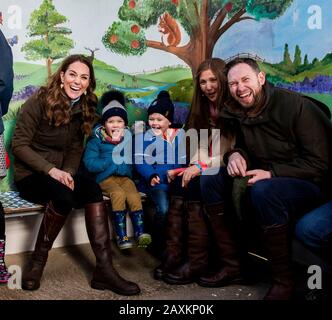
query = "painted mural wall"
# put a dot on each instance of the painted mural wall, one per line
(143, 46)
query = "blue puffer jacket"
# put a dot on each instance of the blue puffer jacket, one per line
(155, 156)
(107, 159)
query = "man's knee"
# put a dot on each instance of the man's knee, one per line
(306, 232)
(262, 190)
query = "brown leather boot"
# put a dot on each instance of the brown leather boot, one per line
(104, 276)
(278, 250)
(229, 261)
(197, 248)
(174, 238)
(49, 229)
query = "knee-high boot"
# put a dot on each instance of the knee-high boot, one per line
(104, 276)
(174, 238)
(228, 252)
(197, 248)
(49, 229)
(278, 250)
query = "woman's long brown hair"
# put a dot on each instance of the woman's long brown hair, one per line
(56, 102)
(199, 113)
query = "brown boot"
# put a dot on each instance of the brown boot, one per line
(278, 246)
(104, 276)
(229, 272)
(197, 248)
(49, 229)
(174, 238)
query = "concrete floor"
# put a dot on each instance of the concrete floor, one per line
(68, 271)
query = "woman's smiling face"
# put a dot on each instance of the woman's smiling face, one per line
(75, 79)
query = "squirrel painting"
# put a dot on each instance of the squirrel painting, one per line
(170, 30)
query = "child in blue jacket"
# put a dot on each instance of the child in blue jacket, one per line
(158, 152)
(113, 172)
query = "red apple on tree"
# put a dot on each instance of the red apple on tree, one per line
(132, 4)
(176, 2)
(135, 44)
(135, 28)
(114, 38)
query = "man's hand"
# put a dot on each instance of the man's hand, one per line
(237, 165)
(191, 172)
(63, 177)
(257, 175)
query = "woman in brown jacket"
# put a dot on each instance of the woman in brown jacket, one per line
(47, 145)
(182, 266)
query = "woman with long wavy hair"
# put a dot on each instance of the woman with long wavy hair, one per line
(47, 145)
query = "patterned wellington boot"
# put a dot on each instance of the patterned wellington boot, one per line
(121, 230)
(143, 239)
(4, 274)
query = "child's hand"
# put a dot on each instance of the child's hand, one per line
(155, 181)
(117, 134)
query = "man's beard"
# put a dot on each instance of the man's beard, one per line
(258, 104)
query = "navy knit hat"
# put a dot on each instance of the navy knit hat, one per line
(113, 103)
(163, 105)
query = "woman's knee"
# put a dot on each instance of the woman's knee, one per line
(64, 204)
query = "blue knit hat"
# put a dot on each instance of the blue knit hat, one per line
(113, 103)
(163, 105)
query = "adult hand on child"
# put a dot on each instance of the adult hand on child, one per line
(191, 172)
(63, 177)
(171, 174)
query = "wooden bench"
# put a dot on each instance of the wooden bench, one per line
(15, 206)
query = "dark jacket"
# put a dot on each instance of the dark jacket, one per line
(6, 77)
(291, 136)
(39, 146)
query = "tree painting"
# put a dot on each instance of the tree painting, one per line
(205, 21)
(52, 38)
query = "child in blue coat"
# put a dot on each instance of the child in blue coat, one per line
(103, 156)
(158, 153)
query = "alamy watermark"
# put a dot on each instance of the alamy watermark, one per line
(191, 146)
(315, 280)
